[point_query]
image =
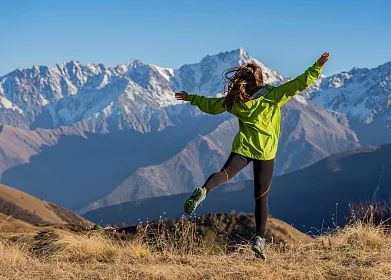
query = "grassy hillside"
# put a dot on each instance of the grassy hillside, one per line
(9, 224)
(23, 207)
(358, 251)
(220, 229)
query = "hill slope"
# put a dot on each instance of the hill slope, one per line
(220, 228)
(358, 251)
(34, 211)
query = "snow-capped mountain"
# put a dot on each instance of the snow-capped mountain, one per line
(130, 96)
(69, 93)
(364, 96)
(205, 77)
(108, 135)
(154, 79)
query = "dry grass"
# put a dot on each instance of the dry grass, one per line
(358, 251)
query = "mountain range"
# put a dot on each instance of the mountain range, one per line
(364, 96)
(90, 136)
(312, 199)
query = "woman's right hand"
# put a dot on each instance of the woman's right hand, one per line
(323, 58)
(183, 95)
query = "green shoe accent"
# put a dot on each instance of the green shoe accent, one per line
(259, 247)
(199, 194)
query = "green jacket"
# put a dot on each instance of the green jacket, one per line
(259, 119)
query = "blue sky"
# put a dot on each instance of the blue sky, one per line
(286, 35)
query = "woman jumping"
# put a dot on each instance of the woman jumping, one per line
(257, 107)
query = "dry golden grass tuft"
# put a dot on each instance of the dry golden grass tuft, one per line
(97, 247)
(358, 251)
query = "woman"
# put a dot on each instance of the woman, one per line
(257, 107)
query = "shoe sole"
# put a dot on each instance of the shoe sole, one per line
(190, 205)
(258, 252)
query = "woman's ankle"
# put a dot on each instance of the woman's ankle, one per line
(206, 188)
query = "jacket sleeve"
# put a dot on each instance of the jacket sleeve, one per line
(208, 105)
(284, 92)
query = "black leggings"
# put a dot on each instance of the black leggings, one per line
(263, 172)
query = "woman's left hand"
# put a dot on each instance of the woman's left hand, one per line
(323, 58)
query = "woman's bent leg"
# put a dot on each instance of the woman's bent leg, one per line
(233, 165)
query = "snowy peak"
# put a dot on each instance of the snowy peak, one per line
(206, 78)
(71, 92)
(134, 63)
(362, 94)
(155, 80)
(203, 78)
(238, 56)
(68, 93)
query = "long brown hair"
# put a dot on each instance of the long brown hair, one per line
(241, 83)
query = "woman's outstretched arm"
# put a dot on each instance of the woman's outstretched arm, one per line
(284, 92)
(208, 105)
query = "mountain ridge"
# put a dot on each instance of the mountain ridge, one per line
(318, 196)
(134, 102)
(364, 96)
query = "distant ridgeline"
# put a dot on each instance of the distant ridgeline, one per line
(312, 199)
